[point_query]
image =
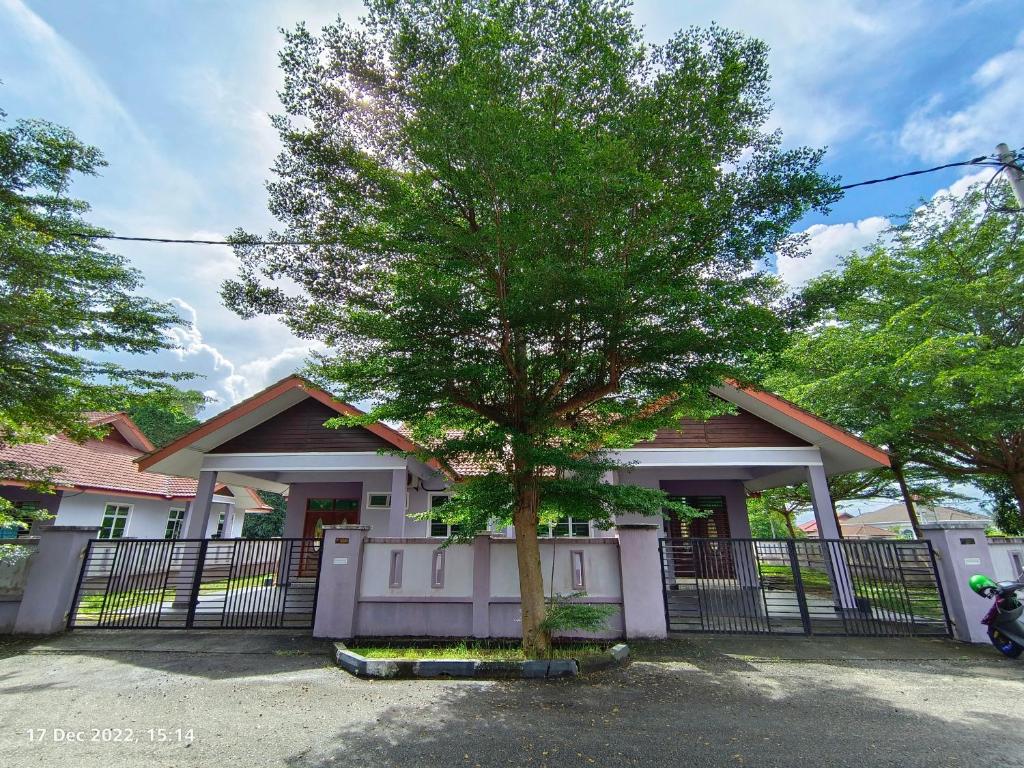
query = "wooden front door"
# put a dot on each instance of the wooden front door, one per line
(321, 512)
(705, 560)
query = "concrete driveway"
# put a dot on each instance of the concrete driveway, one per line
(261, 700)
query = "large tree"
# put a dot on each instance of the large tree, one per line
(917, 344)
(534, 236)
(167, 414)
(64, 300)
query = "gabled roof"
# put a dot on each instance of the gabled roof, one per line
(110, 465)
(106, 464)
(896, 514)
(123, 424)
(258, 408)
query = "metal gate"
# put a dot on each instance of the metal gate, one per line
(802, 586)
(197, 583)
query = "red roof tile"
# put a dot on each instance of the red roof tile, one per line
(100, 464)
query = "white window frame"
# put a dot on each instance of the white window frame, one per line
(385, 494)
(127, 519)
(551, 530)
(219, 533)
(179, 522)
(430, 507)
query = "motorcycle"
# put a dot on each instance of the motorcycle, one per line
(1005, 628)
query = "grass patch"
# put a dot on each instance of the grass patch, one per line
(463, 650)
(92, 605)
(919, 601)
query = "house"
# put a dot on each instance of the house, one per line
(98, 483)
(276, 441)
(891, 521)
(362, 555)
(894, 517)
(811, 526)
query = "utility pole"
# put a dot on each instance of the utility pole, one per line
(1013, 172)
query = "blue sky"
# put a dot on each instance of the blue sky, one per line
(177, 93)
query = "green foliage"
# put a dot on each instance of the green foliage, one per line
(542, 235)
(543, 230)
(64, 301)
(1006, 513)
(916, 343)
(166, 415)
(270, 524)
(487, 502)
(567, 612)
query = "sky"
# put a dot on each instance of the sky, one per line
(178, 93)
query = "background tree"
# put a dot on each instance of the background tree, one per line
(166, 414)
(916, 345)
(64, 301)
(539, 238)
(270, 524)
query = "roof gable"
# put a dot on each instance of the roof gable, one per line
(246, 415)
(300, 428)
(740, 430)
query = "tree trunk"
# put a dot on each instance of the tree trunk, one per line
(789, 524)
(908, 498)
(1017, 483)
(536, 640)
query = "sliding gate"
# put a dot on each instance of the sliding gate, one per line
(802, 586)
(197, 583)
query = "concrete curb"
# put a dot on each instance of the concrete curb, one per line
(360, 666)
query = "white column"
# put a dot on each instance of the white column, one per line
(821, 500)
(198, 518)
(828, 528)
(229, 520)
(396, 516)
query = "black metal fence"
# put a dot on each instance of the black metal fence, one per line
(808, 586)
(197, 583)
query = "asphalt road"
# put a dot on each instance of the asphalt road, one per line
(248, 701)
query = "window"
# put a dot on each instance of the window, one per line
(438, 527)
(1017, 565)
(378, 501)
(331, 505)
(175, 519)
(115, 520)
(566, 526)
(220, 527)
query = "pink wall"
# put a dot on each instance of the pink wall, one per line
(362, 595)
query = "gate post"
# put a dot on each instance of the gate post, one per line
(643, 587)
(53, 579)
(961, 550)
(337, 594)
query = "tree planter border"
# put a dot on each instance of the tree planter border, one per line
(360, 666)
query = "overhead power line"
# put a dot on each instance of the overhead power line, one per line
(981, 160)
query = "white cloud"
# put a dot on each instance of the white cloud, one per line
(824, 54)
(996, 113)
(826, 245)
(220, 377)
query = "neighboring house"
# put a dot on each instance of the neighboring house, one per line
(894, 517)
(99, 484)
(276, 441)
(891, 521)
(811, 526)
